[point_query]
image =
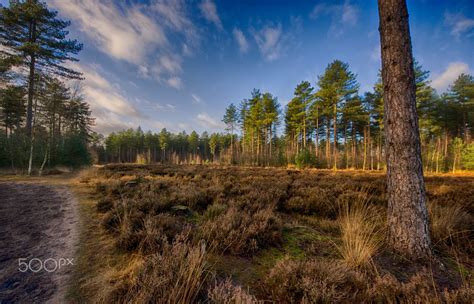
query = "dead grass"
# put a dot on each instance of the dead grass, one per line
(450, 223)
(361, 231)
(268, 235)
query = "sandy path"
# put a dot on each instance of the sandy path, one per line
(36, 221)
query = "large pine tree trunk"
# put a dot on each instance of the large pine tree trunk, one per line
(407, 214)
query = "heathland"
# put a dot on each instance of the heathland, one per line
(244, 235)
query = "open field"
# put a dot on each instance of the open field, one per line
(242, 235)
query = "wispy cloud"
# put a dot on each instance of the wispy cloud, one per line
(137, 33)
(209, 123)
(343, 16)
(448, 76)
(241, 40)
(196, 99)
(112, 109)
(459, 24)
(175, 82)
(209, 11)
(270, 41)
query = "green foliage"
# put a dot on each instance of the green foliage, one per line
(46, 40)
(468, 157)
(74, 152)
(305, 159)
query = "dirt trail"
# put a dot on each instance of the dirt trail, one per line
(37, 221)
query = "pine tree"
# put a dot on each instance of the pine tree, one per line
(407, 213)
(230, 119)
(35, 38)
(336, 86)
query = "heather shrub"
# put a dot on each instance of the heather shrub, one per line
(242, 231)
(214, 210)
(312, 281)
(225, 292)
(158, 229)
(387, 289)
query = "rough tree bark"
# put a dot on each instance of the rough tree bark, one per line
(407, 214)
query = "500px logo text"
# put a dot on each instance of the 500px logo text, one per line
(48, 265)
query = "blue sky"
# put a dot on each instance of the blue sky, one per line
(178, 64)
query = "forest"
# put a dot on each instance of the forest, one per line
(327, 126)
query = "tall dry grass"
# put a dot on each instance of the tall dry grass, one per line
(179, 274)
(361, 231)
(449, 223)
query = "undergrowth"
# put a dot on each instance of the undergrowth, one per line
(252, 235)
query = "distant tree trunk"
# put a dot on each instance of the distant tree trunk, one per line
(346, 151)
(407, 214)
(328, 145)
(438, 147)
(455, 159)
(335, 137)
(364, 164)
(232, 145)
(353, 142)
(317, 133)
(40, 172)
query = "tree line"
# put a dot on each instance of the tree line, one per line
(46, 120)
(328, 125)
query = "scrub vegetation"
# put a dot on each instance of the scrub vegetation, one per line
(247, 235)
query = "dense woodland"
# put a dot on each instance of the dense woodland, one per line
(46, 120)
(330, 125)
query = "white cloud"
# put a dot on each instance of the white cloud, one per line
(209, 11)
(112, 110)
(137, 33)
(106, 123)
(241, 40)
(459, 24)
(269, 41)
(126, 34)
(343, 16)
(175, 82)
(196, 99)
(171, 107)
(174, 14)
(208, 122)
(446, 78)
(349, 14)
(101, 94)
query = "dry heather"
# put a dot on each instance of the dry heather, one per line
(249, 235)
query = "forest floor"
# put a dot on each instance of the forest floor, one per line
(38, 238)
